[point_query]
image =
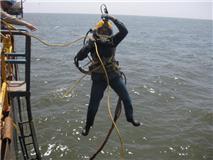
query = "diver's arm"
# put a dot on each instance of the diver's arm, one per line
(82, 54)
(122, 30)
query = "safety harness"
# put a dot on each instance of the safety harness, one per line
(110, 64)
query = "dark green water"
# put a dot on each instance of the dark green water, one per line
(168, 63)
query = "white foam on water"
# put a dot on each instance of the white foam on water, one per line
(49, 149)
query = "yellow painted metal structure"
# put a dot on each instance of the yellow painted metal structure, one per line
(6, 71)
(15, 108)
(3, 99)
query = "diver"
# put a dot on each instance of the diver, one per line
(106, 44)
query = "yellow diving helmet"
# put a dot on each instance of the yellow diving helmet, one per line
(104, 28)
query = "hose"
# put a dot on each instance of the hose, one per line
(109, 104)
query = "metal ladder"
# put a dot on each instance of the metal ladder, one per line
(20, 98)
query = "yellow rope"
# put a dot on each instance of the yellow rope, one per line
(109, 106)
(56, 44)
(43, 41)
(2, 35)
(9, 26)
(70, 89)
(73, 86)
(15, 126)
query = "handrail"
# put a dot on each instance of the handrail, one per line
(9, 75)
(14, 32)
(20, 32)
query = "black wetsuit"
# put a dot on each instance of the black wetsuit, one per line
(106, 51)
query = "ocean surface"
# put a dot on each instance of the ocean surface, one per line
(168, 63)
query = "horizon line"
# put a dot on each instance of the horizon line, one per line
(120, 15)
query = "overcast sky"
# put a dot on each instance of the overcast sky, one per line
(200, 9)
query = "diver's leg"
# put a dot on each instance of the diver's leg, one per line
(119, 87)
(96, 95)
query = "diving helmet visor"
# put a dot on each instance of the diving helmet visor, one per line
(104, 28)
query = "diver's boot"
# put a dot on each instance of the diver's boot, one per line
(134, 122)
(85, 131)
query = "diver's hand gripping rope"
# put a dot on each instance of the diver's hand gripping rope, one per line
(109, 106)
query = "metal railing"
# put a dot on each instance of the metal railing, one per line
(13, 93)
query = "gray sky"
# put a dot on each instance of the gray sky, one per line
(200, 9)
